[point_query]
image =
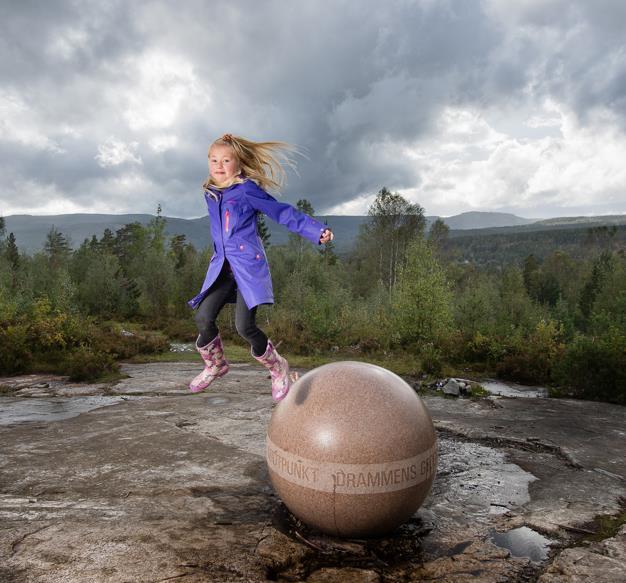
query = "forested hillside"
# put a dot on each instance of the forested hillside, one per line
(512, 245)
(534, 308)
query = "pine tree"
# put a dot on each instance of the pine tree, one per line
(178, 244)
(107, 242)
(602, 267)
(156, 231)
(295, 241)
(56, 248)
(12, 252)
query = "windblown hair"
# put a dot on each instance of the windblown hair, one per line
(259, 161)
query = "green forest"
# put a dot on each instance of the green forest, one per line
(403, 293)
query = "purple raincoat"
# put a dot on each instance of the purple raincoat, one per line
(233, 219)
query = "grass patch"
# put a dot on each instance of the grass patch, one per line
(479, 392)
(401, 364)
(607, 525)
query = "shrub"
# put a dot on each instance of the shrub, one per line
(180, 329)
(431, 359)
(594, 367)
(15, 351)
(422, 300)
(530, 359)
(86, 364)
(122, 345)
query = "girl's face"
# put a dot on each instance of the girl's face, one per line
(223, 164)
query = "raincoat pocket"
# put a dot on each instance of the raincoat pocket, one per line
(230, 217)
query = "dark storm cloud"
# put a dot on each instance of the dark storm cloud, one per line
(350, 82)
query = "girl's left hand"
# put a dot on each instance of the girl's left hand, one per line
(327, 236)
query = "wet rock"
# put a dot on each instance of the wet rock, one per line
(280, 553)
(347, 575)
(602, 562)
(165, 485)
(480, 561)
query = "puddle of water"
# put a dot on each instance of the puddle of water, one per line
(478, 480)
(513, 389)
(523, 542)
(217, 400)
(15, 410)
(182, 347)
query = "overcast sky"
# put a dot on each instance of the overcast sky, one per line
(519, 106)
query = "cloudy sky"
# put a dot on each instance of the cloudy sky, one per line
(500, 105)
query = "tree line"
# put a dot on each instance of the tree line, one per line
(558, 319)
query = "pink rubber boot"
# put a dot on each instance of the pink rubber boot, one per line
(279, 371)
(216, 365)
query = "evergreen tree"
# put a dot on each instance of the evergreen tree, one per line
(12, 252)
(531, 275)
(156, 231)
(107, 242)
(601, 237)
(130, 244)
(129, 302)
(56, 248)
(295, 241)
(100, 291)
(178, 244)
(602, 267)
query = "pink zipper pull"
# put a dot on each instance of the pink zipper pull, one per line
(227, 217)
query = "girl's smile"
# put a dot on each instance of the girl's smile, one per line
(223, 164)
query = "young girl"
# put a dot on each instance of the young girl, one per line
(240, 172)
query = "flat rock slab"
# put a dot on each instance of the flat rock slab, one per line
(151, 483)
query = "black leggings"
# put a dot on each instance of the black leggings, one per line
(223, 290)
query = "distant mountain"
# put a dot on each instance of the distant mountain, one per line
(30, 231)
(555, 224)
(582, 221)
(485, 220)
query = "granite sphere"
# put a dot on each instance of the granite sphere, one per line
(352, 450)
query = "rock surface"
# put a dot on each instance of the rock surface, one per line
(142, 481)
(452, 387)
(607, 558)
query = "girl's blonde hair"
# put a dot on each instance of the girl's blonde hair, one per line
(259, 161)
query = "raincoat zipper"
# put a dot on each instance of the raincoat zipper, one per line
(227, 217)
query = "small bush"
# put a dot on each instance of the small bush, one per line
(85, 364)
(183, 330)
(595, 367)
(15, 351)
(125, 345)
(431, 359)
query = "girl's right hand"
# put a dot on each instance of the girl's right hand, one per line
(327, 236)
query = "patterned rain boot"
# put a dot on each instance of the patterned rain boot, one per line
(279, 371)
(216, 365)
